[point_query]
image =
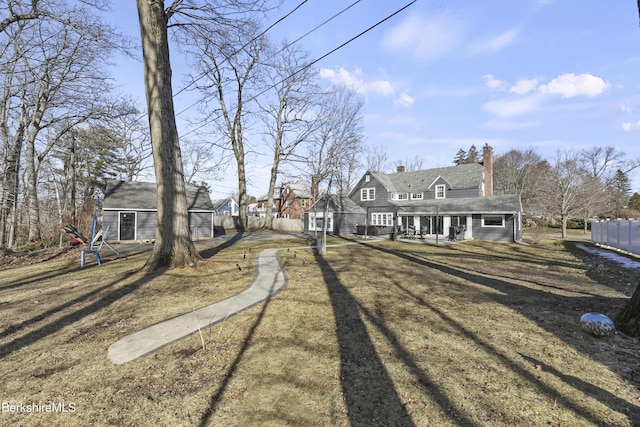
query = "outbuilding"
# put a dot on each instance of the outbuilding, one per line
(130, 209)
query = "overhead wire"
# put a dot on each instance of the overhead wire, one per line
(310, 64)
(265, 31)
(322, 24)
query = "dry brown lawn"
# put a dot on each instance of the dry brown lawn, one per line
(372, 334)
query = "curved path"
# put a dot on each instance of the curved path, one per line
(268, 281)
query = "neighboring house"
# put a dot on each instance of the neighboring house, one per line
(130, 210)
(228, 207)
(343, 215)
(289, 201)
(295, 199)
(433, 200)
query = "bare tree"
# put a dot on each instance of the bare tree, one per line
(410, 164)
(173, 246)
(53, 66)
(229, 70)
(201, 161)
(518, 172)
(377, 159)
(334, 148)
(566, 187)
(287, 109)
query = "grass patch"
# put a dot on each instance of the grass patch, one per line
(375, 333)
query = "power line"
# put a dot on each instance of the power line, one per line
(203, 74)
(332, 51)
(325, 22)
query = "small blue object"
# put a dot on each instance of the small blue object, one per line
(597, 324)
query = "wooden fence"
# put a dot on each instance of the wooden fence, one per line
(257, 223)
(621, 234)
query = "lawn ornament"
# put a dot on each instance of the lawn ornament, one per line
(597, 324)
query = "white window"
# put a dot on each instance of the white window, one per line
(316, 221)
(416, 196)
(400, 196)
(493, 220)
(440, 191)
(385, 219)
(368, 194)
(367, 178)
(303, 203)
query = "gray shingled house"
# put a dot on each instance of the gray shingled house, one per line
(434, 202)
(343, 215)
(130, 210)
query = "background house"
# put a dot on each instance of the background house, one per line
(290, 201)
(228, 207)
(130, 209)
(429, 202)
(343, 215)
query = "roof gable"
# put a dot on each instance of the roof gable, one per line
(144, 196)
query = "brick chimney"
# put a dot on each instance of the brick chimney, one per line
(400, 169)
(487, 161)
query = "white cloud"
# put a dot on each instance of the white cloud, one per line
(628, 126)
(405, 100)
(425, 39)
(509, 107)
(626, 109)
(570, 85)
(492, 83)
(508, 124)
(524, 86)
(357, 81)
(493, 44)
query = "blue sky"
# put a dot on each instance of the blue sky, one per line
(441, 75)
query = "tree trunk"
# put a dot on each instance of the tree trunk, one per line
(628, 319)
(9, 190)
(32, 193)
(173, 246)
(242, 194)
(268, 220)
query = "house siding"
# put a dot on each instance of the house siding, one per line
(200, 225)
(146, 224)
(382, 196)
(499, 234)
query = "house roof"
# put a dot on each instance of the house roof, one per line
(337, 203)
(301, 189)
(125, 195)
(221, 202)
(484, 205)
(467, 175)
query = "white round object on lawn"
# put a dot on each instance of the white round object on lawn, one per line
(597, 324)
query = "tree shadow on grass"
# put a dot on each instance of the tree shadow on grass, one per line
(210, 252)
(507, 290)
(215, 399)
(72, 317)
(369, 393)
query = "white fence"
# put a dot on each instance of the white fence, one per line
(621, 234)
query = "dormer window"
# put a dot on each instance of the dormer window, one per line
(440, 191)
(416, 196)
(400, 196)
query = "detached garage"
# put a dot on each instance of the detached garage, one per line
(130, 210)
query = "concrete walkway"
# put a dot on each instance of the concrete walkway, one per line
(269, 280)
